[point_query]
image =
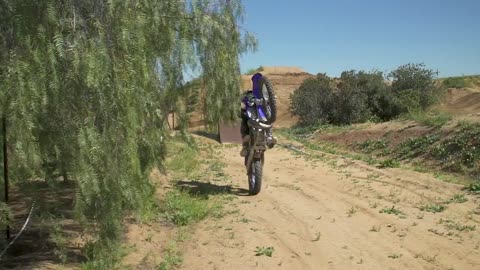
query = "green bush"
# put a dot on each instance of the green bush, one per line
(415, 86)
(361, 96)
(313, 100)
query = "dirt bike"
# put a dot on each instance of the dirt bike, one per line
(260, 118)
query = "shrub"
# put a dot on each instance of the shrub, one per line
(362, 96)
(415, 85)
(312, 101)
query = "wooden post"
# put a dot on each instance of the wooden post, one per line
(5, 166)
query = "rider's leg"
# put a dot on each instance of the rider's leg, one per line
(245, 136)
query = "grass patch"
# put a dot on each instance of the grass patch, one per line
(433, 208)
(391, 211)
(431, 119)
(454, 82)
(183, 159)
(389, 163)
(457, 198)
(452, 225)
(183, 208)
(102, 255)
(172, 258)
(264, 251)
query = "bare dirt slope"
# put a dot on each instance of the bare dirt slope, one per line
(462, 101)
(325, 214)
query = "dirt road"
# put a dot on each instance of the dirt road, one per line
(335, 213)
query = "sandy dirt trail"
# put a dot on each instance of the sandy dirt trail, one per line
(325, 214)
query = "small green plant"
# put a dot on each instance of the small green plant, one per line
(473, 188)
(433, 208)
(264, 251)
(395, 256)
(171, 259)
(244, 220)
(458, 198)
(452, 225)
(389, 163)
(351, 211)
(391, 211)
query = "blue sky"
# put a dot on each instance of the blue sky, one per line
(333, 36)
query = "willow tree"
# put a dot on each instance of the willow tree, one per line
(85, 84)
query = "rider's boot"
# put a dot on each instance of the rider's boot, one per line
(271, 141)
(245, 142)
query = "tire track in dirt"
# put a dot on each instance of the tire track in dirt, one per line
(316, 217)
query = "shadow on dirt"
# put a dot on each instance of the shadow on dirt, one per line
(208, 135)
(205, 189)
(43, 242)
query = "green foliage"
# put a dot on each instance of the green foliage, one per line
(264, 251)
(415, 85)
(361, 96)
(171, 260)
(431, 119)
(87, 86)
(371, 145)
(452, 225)
(474, 187)
(454, 82)
(389, 163)
(461, 148)
(102, 255)
(414, 147)
(433, 208)
(392, 211)
(457, 198)
(184, 159)
(183, 208)
(5, 214)
(312, 101)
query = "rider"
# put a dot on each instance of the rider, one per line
(248, 100)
